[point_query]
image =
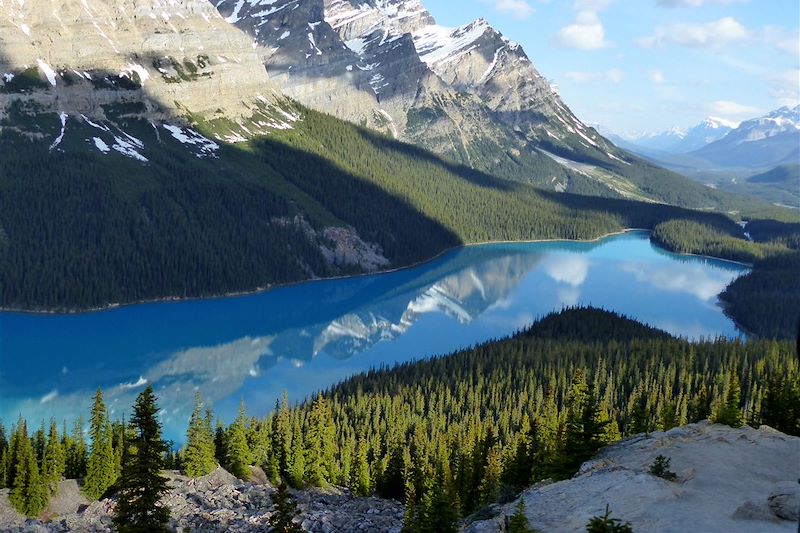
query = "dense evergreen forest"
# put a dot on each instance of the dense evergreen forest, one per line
(451, 434)
(765, 302)
(82, 229)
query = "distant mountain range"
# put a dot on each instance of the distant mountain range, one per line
(146, 143)
(715, 144)
(759, 157)
(676, 140)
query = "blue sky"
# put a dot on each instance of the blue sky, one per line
(633, 65)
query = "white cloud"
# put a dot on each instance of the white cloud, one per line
(714, 34)
(733, 110)
(519, 9)
(787, 42)
(613, 75)
(591, 5)
(786, 87)
(657, 76)
(585, 33)
(698, 3)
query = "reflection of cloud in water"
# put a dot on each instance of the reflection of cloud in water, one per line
(692, 330)
(569, 296)
(698, 280)
(216, 372)
(569, 269)
(462, 296)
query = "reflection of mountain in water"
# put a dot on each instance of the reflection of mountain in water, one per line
(229, 349)
(463, 295)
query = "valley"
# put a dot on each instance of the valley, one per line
(326, 265)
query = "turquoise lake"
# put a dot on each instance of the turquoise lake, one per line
(306, 337)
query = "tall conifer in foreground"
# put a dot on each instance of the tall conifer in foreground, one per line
(199, 458)
(28, 493)
(238, 456)
(55, 459)
(141, 487)
(100, 470)
(728, 411)
(281, 520)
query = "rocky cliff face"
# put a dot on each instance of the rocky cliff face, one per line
(161, 59)
(732, 480)
(467, 93)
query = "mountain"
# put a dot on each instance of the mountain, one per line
(675, 140)
(788, 174)
(466, 93)
(145, 145)
(763, 142)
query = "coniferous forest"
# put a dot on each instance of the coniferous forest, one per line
(77, 232)
(446, 436)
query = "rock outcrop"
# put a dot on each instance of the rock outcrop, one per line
(219, 502)
(728, 480)
(467, 93)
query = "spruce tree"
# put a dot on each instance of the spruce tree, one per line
(139, 508)
(518, 523)
(728, 411)
(28, 492)
(238, 456)
(282, 518)
(55, 459)
(360, 478)
(297, 460)
(76, 450)
(320, 444)
(199, 457)
(100, 471)
(606, 524)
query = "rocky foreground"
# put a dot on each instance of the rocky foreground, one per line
(728, 480)
(216, 502)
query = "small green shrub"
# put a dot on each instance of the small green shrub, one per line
(661, 469)
(606, 524)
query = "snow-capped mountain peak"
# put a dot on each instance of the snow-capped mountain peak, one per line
(717, 123)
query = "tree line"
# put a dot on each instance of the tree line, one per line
(449, 435)
(765, 301)
(82, 229)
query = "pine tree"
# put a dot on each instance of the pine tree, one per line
(320, 444)
(360, 478)
(606, 524)
(518, 523)
(29, 494)
(39, 444)
(238, 456)
(282, 519)
(100, 469)
(76, 450)
(199, 457)
(661, 469)
(12, 455)
(728, 411)
(391, 483)
(55, 460)
(490, 484)
(220, 450)
(140, 490)
(297, 461)
(441, 514)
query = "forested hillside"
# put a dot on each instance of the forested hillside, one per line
(766, 301)
(452, 434)
(81, 228)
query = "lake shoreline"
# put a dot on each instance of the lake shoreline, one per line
(262, 290)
